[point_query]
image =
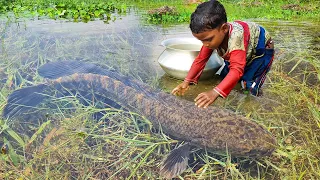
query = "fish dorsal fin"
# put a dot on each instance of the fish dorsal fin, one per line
(176, 162)
(56, 69)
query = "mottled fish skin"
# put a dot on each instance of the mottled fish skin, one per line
(212, 128)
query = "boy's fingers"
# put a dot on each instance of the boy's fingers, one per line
(200, 102)
(182, 92)
(203, 103)
(208, 104)
(175, 91)
(179, 91)
(198, 97)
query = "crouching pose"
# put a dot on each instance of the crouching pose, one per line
(246, 47)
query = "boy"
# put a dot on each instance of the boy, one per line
(247, 50)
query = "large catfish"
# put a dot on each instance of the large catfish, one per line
(213, 128)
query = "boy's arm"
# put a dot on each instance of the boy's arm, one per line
(236, 70)
(198, 65)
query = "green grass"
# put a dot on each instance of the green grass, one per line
(272, 10)
(242, 9)
(127, 146)
(72, 9)
(73, 145)
(86, 10)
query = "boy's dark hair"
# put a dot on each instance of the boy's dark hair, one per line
(208, 15)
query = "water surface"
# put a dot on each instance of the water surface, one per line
(132, 47)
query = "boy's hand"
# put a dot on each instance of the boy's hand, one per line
(206, 98)
(180, 89)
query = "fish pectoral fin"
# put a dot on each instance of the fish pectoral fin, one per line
(176, 162)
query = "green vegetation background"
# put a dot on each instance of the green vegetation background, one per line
(78, 148)
(85, 10)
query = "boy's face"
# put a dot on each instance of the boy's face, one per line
(213, 38)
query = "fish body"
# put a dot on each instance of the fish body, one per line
(213, 128)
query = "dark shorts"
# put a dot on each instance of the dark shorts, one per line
(255, 72)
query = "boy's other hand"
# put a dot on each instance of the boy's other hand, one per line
(180, 89)
(203, 100)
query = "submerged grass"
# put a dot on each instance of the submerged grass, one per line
(123, 145)
(80, 147)
(126, 146)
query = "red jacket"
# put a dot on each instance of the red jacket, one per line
(237, 61)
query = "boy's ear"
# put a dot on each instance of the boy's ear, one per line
(225, 27)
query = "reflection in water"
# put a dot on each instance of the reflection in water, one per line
(189, 47)
(132, 48)
(294, 44)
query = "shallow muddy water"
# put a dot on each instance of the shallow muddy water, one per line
(132, 47)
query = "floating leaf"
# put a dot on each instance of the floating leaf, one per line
(97, 13)
(62, 13)
(61, 5)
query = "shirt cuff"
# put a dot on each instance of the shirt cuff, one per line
(190, 81)
(221, 93)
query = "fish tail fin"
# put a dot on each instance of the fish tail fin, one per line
(54, 70)
(57, 69)
(176, 162)
(22, 100)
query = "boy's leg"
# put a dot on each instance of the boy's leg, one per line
(255, 73)
(224, 69)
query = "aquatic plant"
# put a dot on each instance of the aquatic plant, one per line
(246, 9)
(80, 10)
(72, 145)
(75, 10)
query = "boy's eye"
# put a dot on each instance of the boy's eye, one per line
(207, 40)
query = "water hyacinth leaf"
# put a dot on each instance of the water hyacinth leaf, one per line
(41, 12)
(100, 5)
(76, 15)
(92, 7)
(97, 13)
(51, 15)
(61, 5)
(83, 12)
(62, 13)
